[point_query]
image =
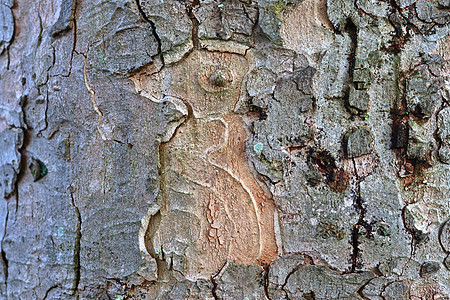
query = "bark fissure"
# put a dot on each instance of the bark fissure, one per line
(360, 291)
(3, 258)
(362, 11)
(49, 290)
(74, 40)
(401, 36)
(359, 203)
(409, 230)
(436, 134)
(46, 91)
(266, 282)
(195, 23)
(77, 248)
(24, 159)
(214, 289)
(162, 268)
(295, 269)
(153, 26)
(214, 282)
(8, 55)
(352, 31)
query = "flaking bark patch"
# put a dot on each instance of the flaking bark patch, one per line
(213, 209)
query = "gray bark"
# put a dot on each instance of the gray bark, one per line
(228, 149)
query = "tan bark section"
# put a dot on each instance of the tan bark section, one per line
(306, 28)
(213, 209)
(443, 49)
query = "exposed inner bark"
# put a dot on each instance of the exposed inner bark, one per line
(210, 193)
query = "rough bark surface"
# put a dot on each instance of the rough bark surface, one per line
(231, 149)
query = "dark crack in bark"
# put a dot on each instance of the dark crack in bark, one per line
(153, 26)
(289, 275)
(362, 11)
(266, 281)
(23, 163)
(360, 291)
(409, 230)
(49, 290)
(359, 203)
(74, 39)
(195, 23)
(403, 27)
(65, 18)
(161, 265)
(214, 283)
(352, 31)
(46, 91)
(8, 56)
(214, 289)
(3, 258)
(76, 249)
(436, 134)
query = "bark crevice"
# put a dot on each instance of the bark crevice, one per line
(153, 26)
(77, 248)
(3, 257)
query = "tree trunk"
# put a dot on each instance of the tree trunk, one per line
(225, 149)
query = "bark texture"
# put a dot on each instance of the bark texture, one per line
(231, 149)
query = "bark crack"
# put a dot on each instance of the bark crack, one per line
(48, 291)
(352, 31)
(23, 162)
(361, 222)
(46, 91)
(360, 291)
(3, 253)
(74, 40)
(153, 26)
(195, 23)
(214, 283)
(289, 275)
(436, 134)
(401, 36)
(266, 282)
(409, 230)
(76, 251)
(362, 10)
(8, 56)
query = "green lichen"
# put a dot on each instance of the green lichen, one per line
(278, 8)
(101, 55)
(38, 169)
(258, 147)
(383, 230)
(328, 230)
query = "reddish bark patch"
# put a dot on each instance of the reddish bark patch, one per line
(336, 178)
(339, 180)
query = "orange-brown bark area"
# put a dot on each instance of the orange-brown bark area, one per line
(213, 208)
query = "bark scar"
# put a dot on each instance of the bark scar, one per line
(213, 207)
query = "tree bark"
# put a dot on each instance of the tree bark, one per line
(231, 149)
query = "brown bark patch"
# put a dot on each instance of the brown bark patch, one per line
(213, 208)
(336, 178)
